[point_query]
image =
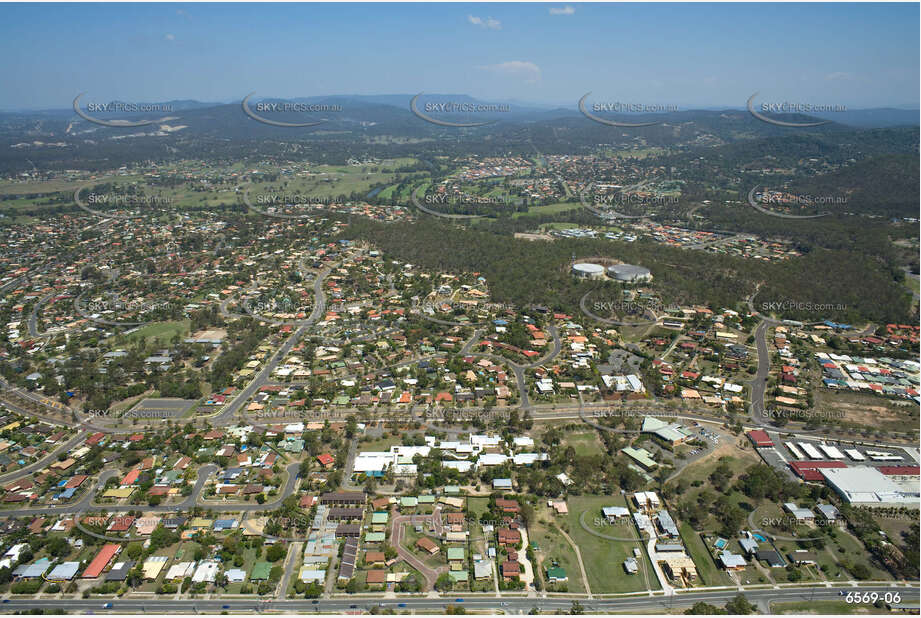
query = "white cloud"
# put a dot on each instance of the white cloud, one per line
(169, 37)
(489, 23)
(566, 10)
(839, 75)
(529, 71)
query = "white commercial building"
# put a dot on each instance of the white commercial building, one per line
(866, 486)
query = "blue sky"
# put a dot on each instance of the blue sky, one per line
(858, 55)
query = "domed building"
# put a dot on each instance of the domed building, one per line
(587, 270)
(629, 273)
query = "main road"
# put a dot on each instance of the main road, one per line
(506, 604)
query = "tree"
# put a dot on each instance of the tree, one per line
(739, 605)
(275, 552)
(134, 551)
(701, 608)
(443, 582)
(576, 609)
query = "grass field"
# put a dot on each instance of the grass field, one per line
(476, 506)
(553, 547)
(707, 571)
(549, 209)
(584, 442)
(163, 331)
(825, 607)
(323, 181)
(604, 558)
(381, 444)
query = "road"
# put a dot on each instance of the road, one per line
(319, 310)
(396, 541)
(294, 551)
(33, 315)
(191, 501)
(44, 461)
(759, 382)
(518, 369)
(507, 604)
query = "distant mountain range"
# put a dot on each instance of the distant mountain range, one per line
(517, 111)
(384, 126)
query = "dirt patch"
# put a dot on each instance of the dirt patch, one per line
(728, 447)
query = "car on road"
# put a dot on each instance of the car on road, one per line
(225, 607)
(458, 600)
(401, 604)
(106, 606)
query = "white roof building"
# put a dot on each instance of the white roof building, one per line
(613, 512)
(866, 486)
(206, 571)
(491, 459)
(523, 442)
(460, 466)
(486, 441)
(180, 570)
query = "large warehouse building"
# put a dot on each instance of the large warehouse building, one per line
(866, 486)
(629, 273)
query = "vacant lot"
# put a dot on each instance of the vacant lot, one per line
(604, 558)
(584, 442)
(552, 547)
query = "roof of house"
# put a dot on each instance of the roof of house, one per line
(102, 559)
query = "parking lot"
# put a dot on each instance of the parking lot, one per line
(161, 408)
